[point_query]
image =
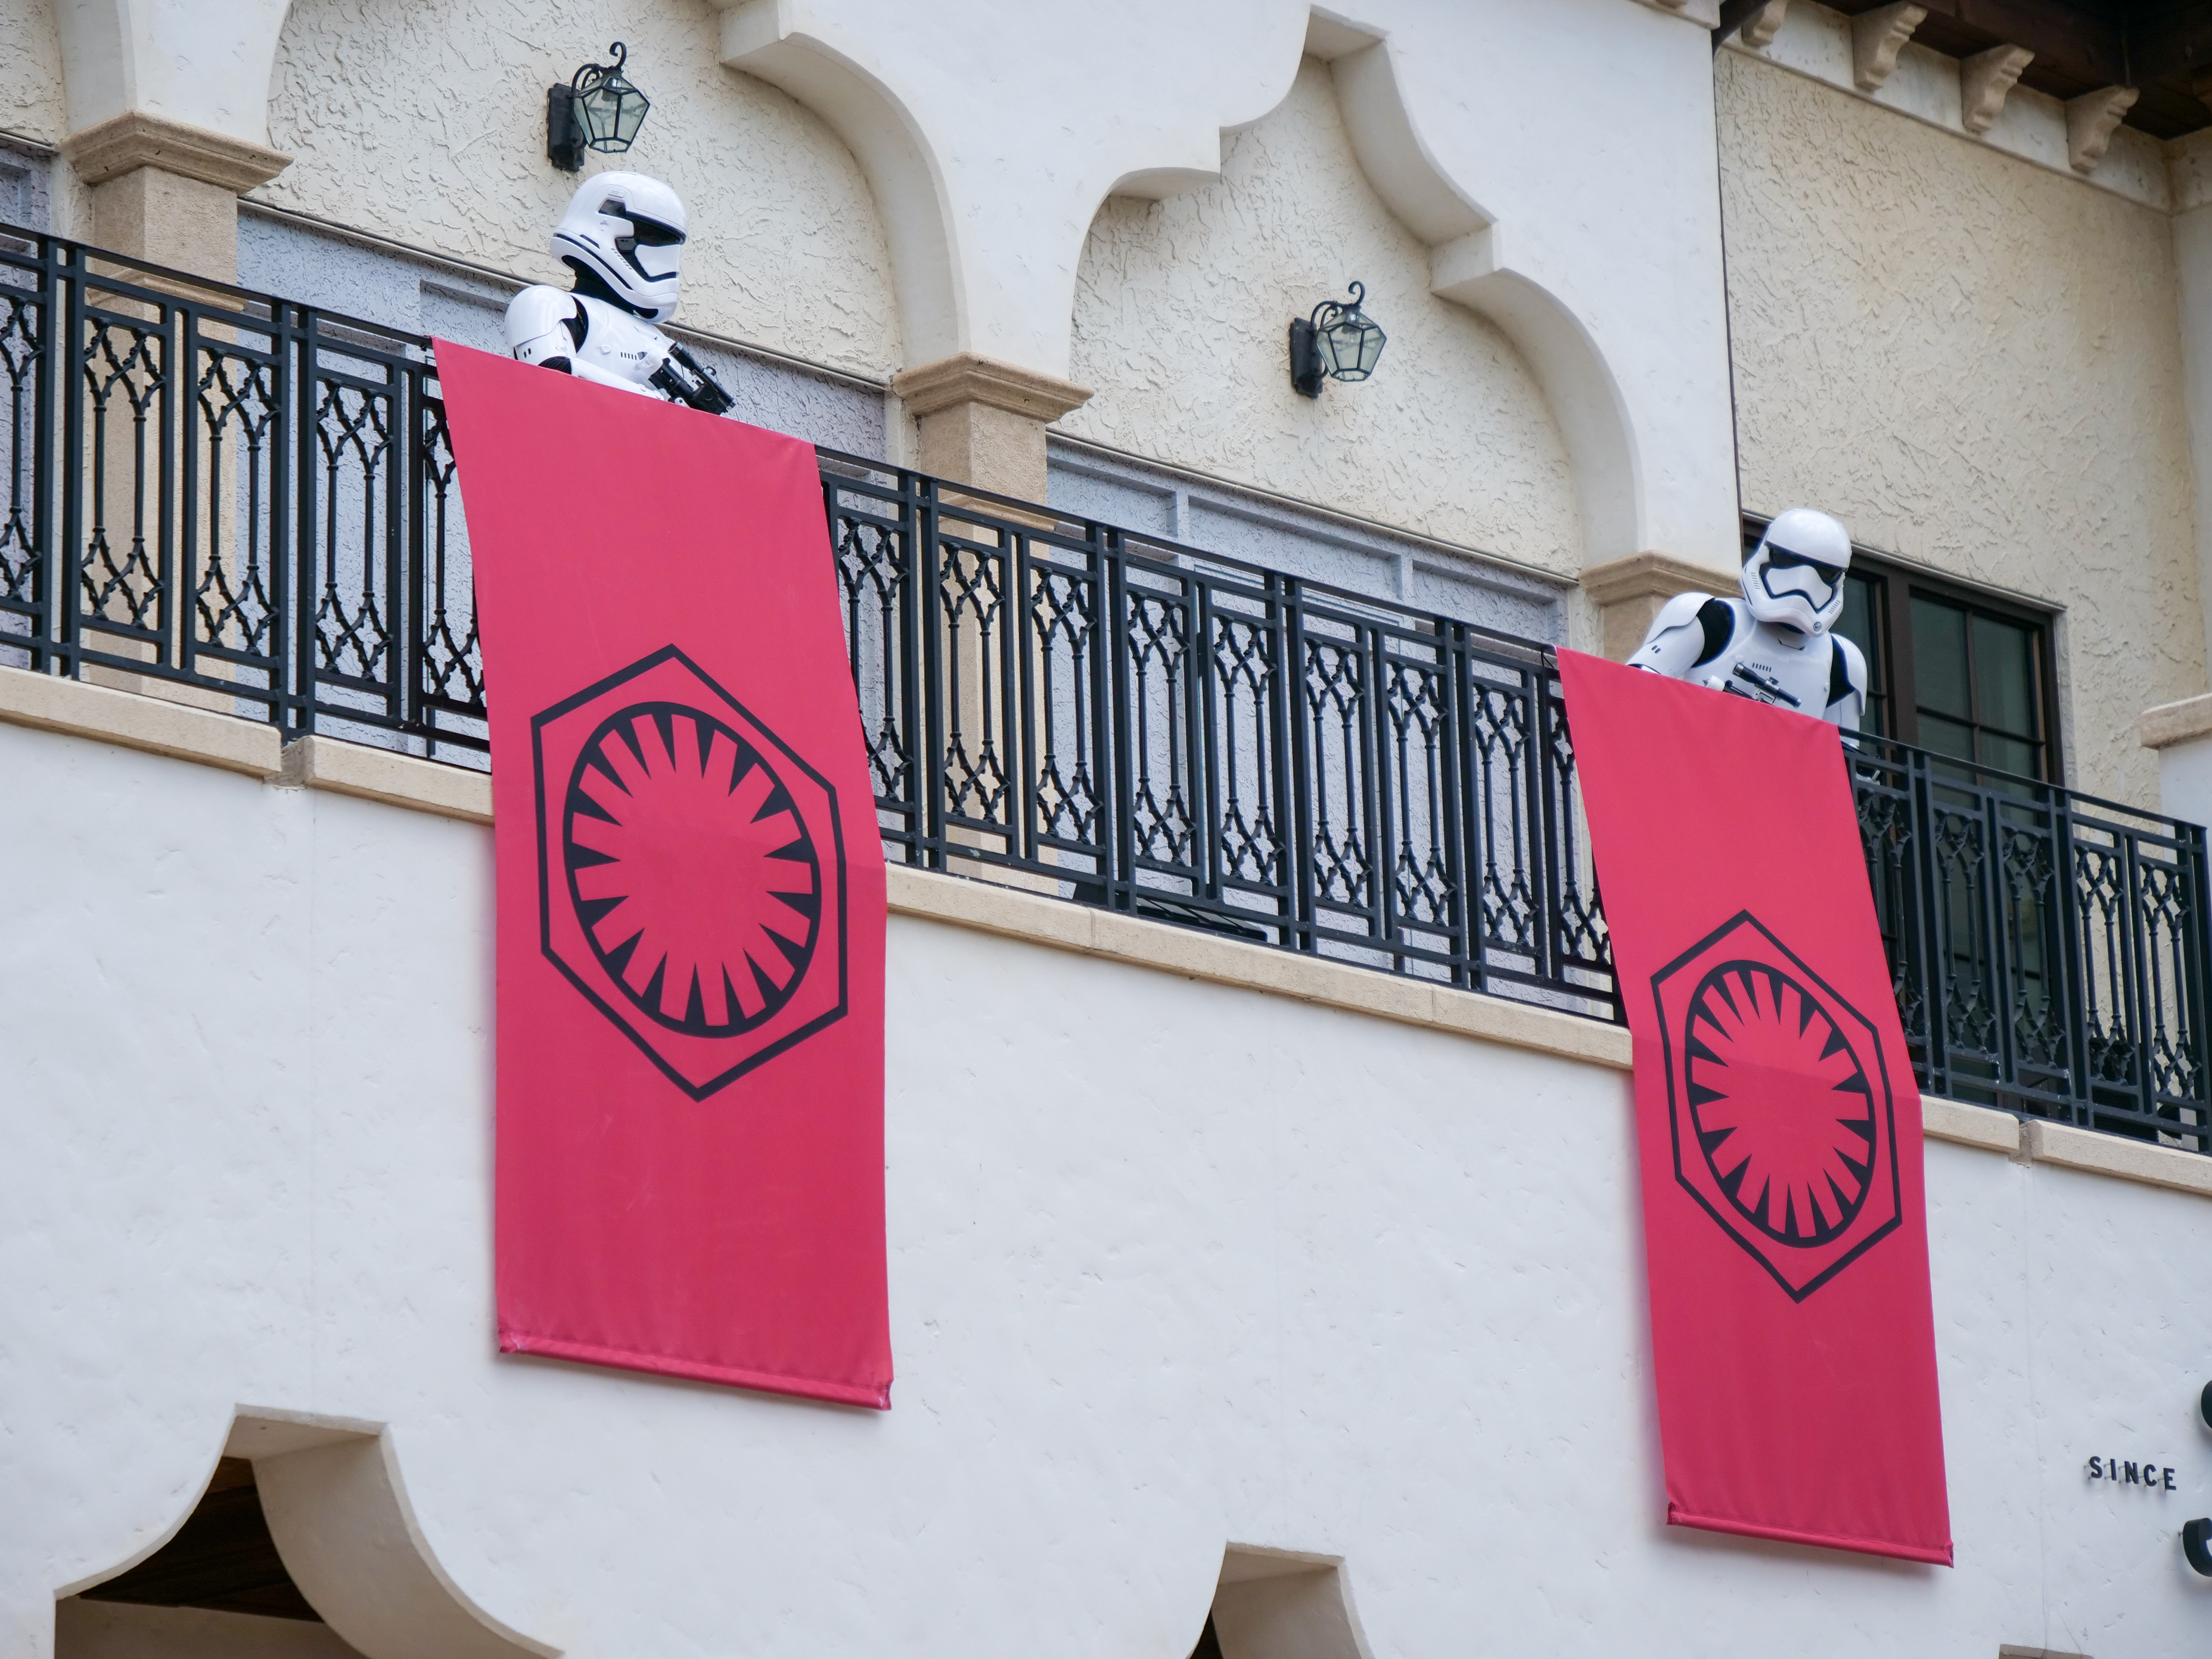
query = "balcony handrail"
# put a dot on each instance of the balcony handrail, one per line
(249, 503)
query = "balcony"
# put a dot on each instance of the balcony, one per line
(241, 502)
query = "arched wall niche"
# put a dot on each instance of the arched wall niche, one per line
(336, 1508)
(1282, 1604)
(424, 121)
(1182, 303)
(1472, 262)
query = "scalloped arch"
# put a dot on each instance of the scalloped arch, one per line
(1468, 266)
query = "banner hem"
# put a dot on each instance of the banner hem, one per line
(736, 1376)
(1933, 1556)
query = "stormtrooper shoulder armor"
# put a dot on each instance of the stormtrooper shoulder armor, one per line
(1692, 631)
(585, 338)
(544, 326)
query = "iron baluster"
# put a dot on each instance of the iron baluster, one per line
(69, 578)
(922, 503)
(1105, 555)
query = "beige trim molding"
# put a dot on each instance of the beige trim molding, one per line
(2176, 722)
(404, 781)
(1969, 1126)
(1649, 576)
(969, 378)
(152, 724)
(2069, 1148)
(1039, 920)
(367, 774)
(2030, 1140)
(134, 139)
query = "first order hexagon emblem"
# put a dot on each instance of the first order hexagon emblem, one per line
(691, 872)
(1784, 1129)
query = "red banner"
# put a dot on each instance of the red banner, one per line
(1778, 1120)
(690, 884)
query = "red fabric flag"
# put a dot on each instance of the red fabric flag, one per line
(691, 883)
(1778, 1120)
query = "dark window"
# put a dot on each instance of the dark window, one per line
(1951, 669)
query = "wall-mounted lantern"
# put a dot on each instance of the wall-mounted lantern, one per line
(599, 109)
(1339, 342)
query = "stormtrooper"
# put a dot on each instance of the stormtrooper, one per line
(621, 235)
(1773, 645)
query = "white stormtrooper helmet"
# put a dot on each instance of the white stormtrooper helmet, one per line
(626, 230)
(1795, 577)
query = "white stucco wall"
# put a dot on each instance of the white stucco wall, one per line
(1171, 1265)
(426, 123)
(1976, 363)
(2185, 780)
(30, 71)
(1181, 309)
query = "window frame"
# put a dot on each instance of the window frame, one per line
(1897, 583)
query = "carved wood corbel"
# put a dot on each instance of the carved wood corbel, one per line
(2091, 121)
(1761, 26)
(1877, 37)
(1984, 81)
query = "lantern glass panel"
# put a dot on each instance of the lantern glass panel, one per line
(1370, 347)
(1351, 345)
(612, 113)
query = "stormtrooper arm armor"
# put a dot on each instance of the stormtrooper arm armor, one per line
(546, 327)
(1690, 631)
(1847, 685)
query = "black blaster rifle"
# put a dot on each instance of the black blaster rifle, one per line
(685, 379)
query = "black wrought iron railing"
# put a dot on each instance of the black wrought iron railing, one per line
(223, 491)
(1151, 728)
(248, 503)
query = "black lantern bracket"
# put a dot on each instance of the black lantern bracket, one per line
(1339, 342)
(599, 109)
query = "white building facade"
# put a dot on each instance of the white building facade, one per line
(1256, 1280)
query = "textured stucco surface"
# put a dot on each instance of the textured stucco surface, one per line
(1171, 1264)
(1975, 364)
(426, 123)
(31, 71)
(1182, 313)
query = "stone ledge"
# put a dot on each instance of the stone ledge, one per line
(1969, 1126)
(151, 724)
(967, 377)
(1652, 576)
(381, 775)
(403, 781)
(135, 139)
(2176, 722)
(1054, 922)
(2072, 1148)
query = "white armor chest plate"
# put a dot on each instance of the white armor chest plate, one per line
(619, 344)
(1773, 664)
